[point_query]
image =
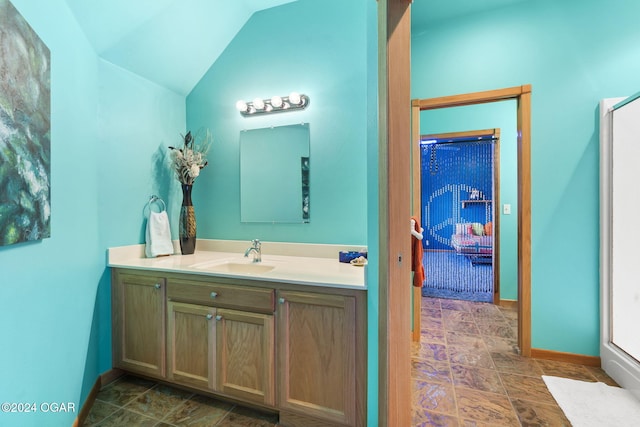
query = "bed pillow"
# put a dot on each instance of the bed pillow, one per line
(463, 228)
(478, 229)
(488, 229)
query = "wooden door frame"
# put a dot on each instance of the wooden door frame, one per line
(522, 95)
(416, 203)
(394, 210)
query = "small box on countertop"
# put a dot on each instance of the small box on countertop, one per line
(347, 256)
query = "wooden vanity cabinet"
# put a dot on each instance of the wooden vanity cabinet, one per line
(191, 347)
(139, 338)
(298, 349)
(221, 338)
(317, 348)
(245, 355)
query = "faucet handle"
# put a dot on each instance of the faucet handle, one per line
(256, 243)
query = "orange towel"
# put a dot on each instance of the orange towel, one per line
(416, 257)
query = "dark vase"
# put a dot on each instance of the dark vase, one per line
(187, 225)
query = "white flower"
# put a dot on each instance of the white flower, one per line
(188, 160)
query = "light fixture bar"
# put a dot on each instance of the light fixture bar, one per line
(276, 104)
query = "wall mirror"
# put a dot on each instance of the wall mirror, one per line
(274, 174)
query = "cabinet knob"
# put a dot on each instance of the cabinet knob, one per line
(218, 317)
(209, 316)
(281, 300)
(214, 294)
(157, 286)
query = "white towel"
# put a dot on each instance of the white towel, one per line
(158, 235)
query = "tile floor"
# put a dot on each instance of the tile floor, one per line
(132, 401)
(466, 370)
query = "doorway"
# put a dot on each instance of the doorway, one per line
(522, 95)
(394, 302)
(459, 183)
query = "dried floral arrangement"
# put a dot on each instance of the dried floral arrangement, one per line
(191, 157)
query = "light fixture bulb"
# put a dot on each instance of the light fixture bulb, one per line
(258, 103)
(294, 97)
(276, 101)
(241, 106)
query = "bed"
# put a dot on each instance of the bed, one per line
(475, 241)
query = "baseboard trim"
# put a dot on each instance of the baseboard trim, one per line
(509, 303)
(560, 356)
(88, 403)
(110, 376)
(104, 379)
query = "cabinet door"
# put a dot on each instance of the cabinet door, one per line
(316, 355)
(138, 323)
(191, 344)
(245, 355)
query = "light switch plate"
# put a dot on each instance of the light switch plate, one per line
(506, 209)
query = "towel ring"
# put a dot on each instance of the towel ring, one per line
(155, 199)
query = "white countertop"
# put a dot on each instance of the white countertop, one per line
(320, 268)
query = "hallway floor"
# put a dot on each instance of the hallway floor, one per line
(466, 370)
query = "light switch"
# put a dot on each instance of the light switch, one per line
(506, 209)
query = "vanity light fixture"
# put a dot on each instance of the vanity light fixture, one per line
(259, 104)
(294, 101)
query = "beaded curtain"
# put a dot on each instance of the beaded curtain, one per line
(452, 174)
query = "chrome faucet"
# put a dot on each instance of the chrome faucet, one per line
(256, 249)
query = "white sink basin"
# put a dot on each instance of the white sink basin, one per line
(234, 266)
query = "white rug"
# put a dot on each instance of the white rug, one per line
(588, 404)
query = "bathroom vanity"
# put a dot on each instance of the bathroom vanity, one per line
(287, 334)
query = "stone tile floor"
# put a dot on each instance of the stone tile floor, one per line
(466, 370)
(132, 401)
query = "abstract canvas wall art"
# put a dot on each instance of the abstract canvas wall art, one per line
(25, 131)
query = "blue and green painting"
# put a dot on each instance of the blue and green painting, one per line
(25, 131)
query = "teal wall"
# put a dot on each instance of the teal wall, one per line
(308, 47)
(574, 53)
(48, 288)
(501, 115)
(109, 132)
(138, 121)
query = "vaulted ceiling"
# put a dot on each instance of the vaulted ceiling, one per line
(170, 42)
(174, 42)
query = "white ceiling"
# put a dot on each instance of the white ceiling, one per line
(170, 42)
